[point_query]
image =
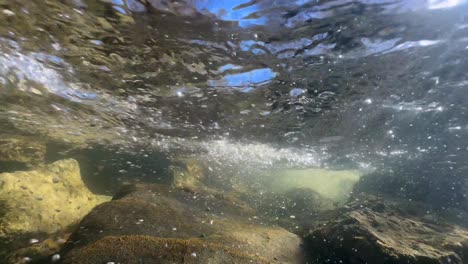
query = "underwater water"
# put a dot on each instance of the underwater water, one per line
(233, 131)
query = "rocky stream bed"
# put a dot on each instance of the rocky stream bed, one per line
(50, 216)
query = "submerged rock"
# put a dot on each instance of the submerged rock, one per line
(376, 232)
(37, 252)
(334, 185)
(155, 223)
(147, 249)
(40, 202)
(187, 173)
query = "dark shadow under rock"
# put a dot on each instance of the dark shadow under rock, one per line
(291, 209)
(374, 231)
(144, 220)
(106, 167)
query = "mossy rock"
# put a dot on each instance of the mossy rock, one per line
(147, 249)
(159, 212)
(40, 252)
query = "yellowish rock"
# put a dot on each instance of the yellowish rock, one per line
(45, 200)
(335, 185)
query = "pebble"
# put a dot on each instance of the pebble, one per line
(8, 12)
(33, 241)
(55, 257)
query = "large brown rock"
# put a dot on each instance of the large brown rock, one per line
(376, 232)
(158, 224)
(147, 249)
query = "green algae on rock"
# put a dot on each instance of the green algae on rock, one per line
(43, 201)
(159, 213)
(147, 249)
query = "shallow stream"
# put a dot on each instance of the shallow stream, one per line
(342, 98)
